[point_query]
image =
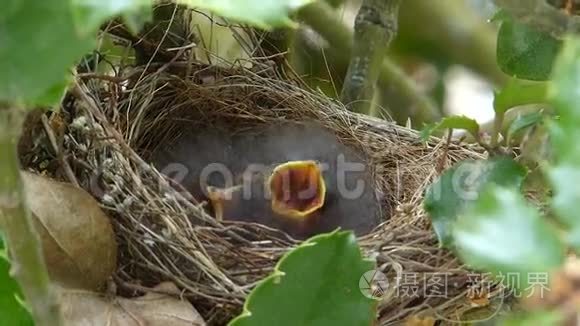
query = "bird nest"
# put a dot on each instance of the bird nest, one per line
(112, 125)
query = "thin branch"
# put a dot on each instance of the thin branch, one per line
(28, 266)
(374, 29)
(322, 18)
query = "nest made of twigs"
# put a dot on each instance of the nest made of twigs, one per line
(112, 125)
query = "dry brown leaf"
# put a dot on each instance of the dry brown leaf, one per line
(479, 302)
(419, 321)
(77, 237)
(478, 297)
(84, 308)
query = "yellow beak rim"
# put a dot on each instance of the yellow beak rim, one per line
(297, 188)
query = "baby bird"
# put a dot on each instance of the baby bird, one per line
(297, 178)
(289, 198)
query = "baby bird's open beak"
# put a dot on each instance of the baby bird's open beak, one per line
(222, 200)
(297, 188)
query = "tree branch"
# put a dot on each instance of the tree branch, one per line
(374, 29)
(28, 266)
(321, 17)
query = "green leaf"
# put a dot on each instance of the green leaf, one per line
(563, 92)
(522, 122)
(564, 132)
(563, 95)
(315, 284)
(535, 147)
(427, 131)
(460, 122)
(460, 186)
(500, 16)
(12, 312)
(453, 122)
(501, 233)
(40, 40)
(564, 140)
(518, 92)
(261, 13)
(524, 52)
(533, 318)
(573, 238)
(52, 96)
(90, 14)
(38, 44)
(565, 179)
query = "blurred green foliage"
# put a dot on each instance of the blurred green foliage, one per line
(34, 29)
(12, 309)
(500, 231)
(565, 173)
(458, 188)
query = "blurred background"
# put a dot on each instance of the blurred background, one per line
(445, 48)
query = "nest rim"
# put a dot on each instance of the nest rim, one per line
(110, 130)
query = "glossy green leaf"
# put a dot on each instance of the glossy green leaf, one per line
(316, 284)
(12, 312)
(453, 122)
(518, 92)
(38, 44)
(523, 122)
(460, 186)
(502, 233)
(524, 52)
(261, 13)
